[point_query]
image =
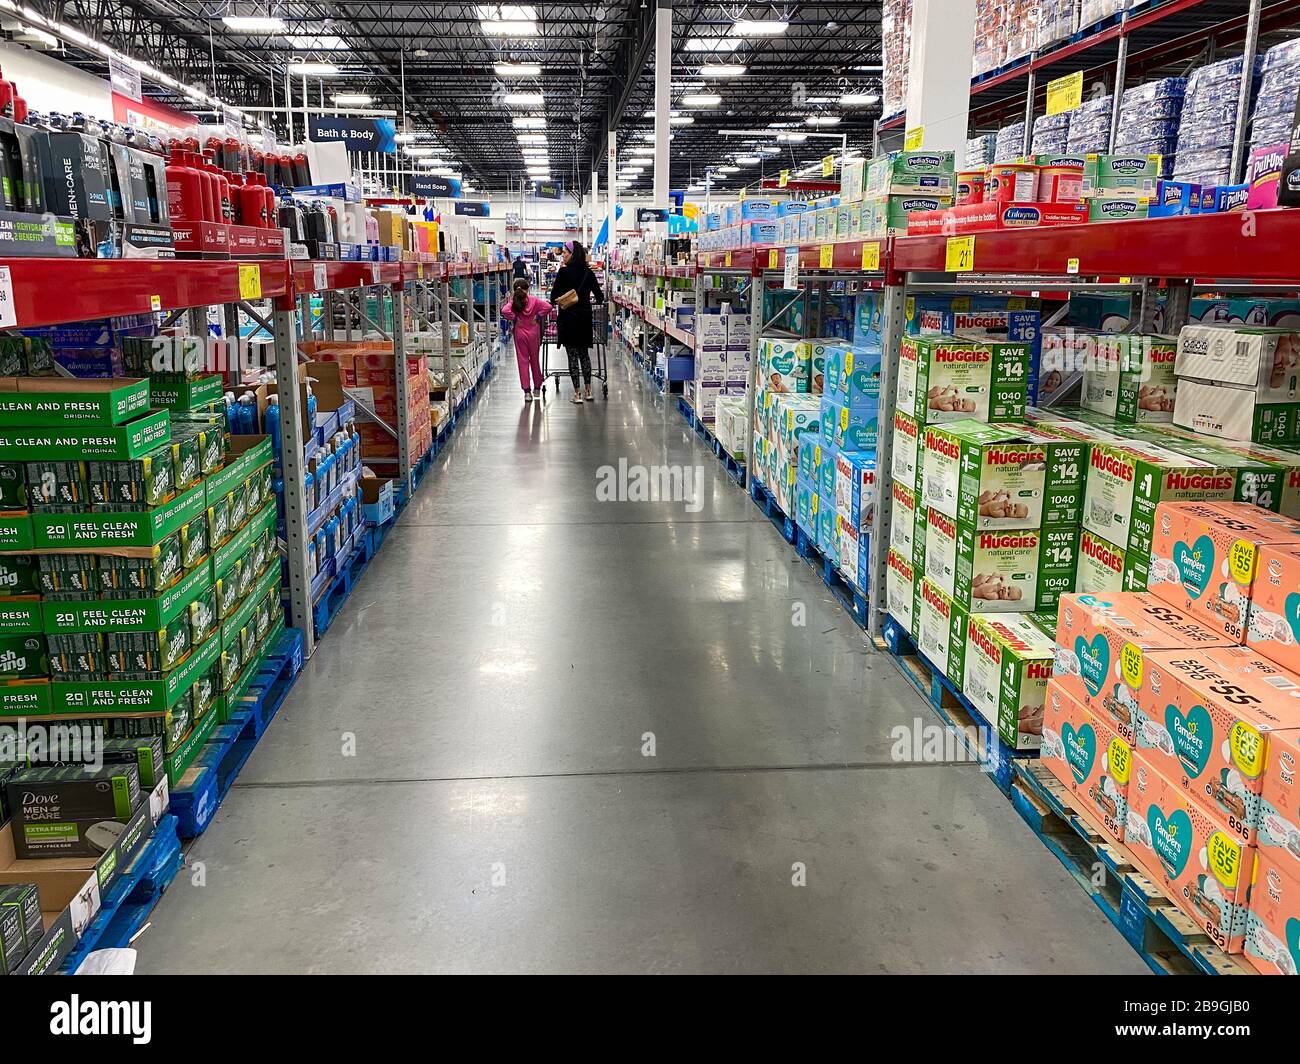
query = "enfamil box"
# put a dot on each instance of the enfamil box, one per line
(1087, 755)
(1190, 852)
(1008, 664)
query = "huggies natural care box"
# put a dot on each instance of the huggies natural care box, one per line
(907, 451)
(1204, 559)
(1102, 642)
(1130, 377)
(902, 521)
(1008, 663)
(943, 378)
(1087, 755)
(900, 589)
(1189, 852)
(942, 629)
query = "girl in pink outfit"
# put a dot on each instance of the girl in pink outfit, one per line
(528, 314)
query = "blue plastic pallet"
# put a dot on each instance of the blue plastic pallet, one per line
(734, 467)
(1168, 940)
(764, 501)
(347, 573)
(200, 792)
(957, 711)
(132, 896)
(848, 596)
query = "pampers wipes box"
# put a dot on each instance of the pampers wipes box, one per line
(1274, 629)
(1089, 756)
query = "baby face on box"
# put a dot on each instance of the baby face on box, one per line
(1190, 853)
(1089, 757)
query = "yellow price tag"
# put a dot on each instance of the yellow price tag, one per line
(1065, 94)
(913, 138)
(741, 196)
(909, 308)
(785, 178)
(1126, 280)
(1241, 562)
(419, 270)
(871, 257)
(814, 504)
(1247, 748)
(726, 259)
(155, 302)
(960, 254)
(1071, 266)
(826, 257)
(773, 257)
(250, 280)
(1132, 665)
(1120, 759)
(828, 165)
(1225, 858)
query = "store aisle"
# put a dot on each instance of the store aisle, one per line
(459, 780)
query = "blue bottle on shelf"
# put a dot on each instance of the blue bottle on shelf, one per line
(271, 419)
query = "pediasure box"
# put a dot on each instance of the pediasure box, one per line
(1102, 642)
(941, 629)
(1130, 377)
(1003, 476)
(901, 586)
(1089, 756)
(1244, 383)
(944, 378)
(1008, 664)
(1207, 718)
(1204, 559)
(1189, 852)
(1128, 480)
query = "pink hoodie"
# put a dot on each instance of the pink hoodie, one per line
(528, 325)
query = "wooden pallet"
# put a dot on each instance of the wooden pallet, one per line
(1168, 940)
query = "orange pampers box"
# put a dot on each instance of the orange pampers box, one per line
(1274, 629)
(1190, 852)
(1204, 558)
(1101, 644)
(1088, 756)
(1207, 718)
(1272, 940)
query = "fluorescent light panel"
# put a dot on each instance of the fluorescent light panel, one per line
(759, 27)
(518, 70)
(702, 99)
(524, 99)
(252, 23)
(712, 44)
(314, 70)
(316, 42)
(722, 70)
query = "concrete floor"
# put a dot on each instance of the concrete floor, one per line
(457, 782)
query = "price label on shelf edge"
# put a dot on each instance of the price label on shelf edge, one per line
(959, 255)
(791, 280)
(826, 256)
(374, 273)
(726, 259)
(250, 281)
(8, 313)
(871, 257)
(913, 138)
(1072, 266)
(828, 165)
(773, 257)
(155, 302)
(785, 178)
(319, 277)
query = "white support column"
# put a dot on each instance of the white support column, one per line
(663, 97)
(611, 194)
(938, 79)
(594, 213)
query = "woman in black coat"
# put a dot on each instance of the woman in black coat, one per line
(573, 325)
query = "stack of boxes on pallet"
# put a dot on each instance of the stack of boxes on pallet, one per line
(1174, 716)
(721, 364)
(141, 585)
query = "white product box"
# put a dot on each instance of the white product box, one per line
(907, 450)
(1235, 413)
(710, 332)
(902, 521)
(1266, 360)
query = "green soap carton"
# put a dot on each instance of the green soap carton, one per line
(53, 485)
(110, 525)
(13, 943)
(25, 899)
(203, 616)
(141, 482)
(64, 573)
(212, 449)
(247, 572)
(206, 691)
(179, 722)
(138, 577)
(64, 400)
(253, 493)
(23, 657)
(181, 395)
(227, 588)
(13, 486)
(77, 655)
(187, 460)
(194, 542)
(26, 356)
(232, 661)
(262, 618)
(248, 642)
(20, 574)
(146, 655)
(218, 514)
(78, 442)
(146, 753)
(263, 551)
(238, 505)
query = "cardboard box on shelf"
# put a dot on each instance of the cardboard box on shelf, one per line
(944, 379)
(1242, 383)
(1272, 937)
(941, 630)
(906, 451)
(902, 520)
(1008, 663)
(1089, 756)
(1130, 377)
(901, 586)
(1274, 628)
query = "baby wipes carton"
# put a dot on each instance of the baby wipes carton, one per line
(939, 560)
(1189, 852)
(1206, 720)
(1008, 663)
(1204, 559)
(942, 630)
(1244, 382)
(1011, 570)
(855, 485)
(944, 378)
(1130, 377)
(1272, 938)
(1087, 755)
(1102, 566)
(1268, 477)
(853, 376)
(1128, 480)
(850, 428)
(1003, 476)
(1274, 629)
(1236, 413)
(785, 365)
(900, 590)
(907, 447)
(902, 520)
(1102, 642)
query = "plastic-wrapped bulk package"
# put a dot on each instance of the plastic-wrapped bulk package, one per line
(1055, 22)
(1090, 126)
(1208, 121)
(1010, 144)
(1149, 118)
(1005, 30)
(1275, 103)
(1051, 134)
(896, 33)
(980, 151)
(1091, 11)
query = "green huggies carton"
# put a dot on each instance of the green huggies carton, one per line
(952, 378)
(942, 629)
(1008, 664)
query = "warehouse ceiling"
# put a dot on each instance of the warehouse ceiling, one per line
(470, 75)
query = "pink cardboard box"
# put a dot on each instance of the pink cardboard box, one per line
(1089, 757)
(1272, 940)
(1274, 629)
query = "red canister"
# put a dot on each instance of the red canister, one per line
(1012, 183)
(1060, 184)
(970, 186)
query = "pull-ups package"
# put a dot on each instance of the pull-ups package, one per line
(1008, 664)
(1239, 383)
(943, 378)
(1089, 756)
(1204, 559)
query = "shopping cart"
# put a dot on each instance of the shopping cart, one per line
(599, 354)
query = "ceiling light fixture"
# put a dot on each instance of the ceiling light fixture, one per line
(722, 70)
(315, 70)
(524, 99)
(518, 70)
(822, 120)
(792, 138)
(759, 27)
(681, 120)
(530, 122)
(252, 23)
(702, 99)
(859, 99)
(531, 138)
(309, 42)
(749, 160)
(712, 44)
(352, 99)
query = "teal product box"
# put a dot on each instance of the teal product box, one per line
(826, 454)
(806, 442)
(850, 428)
(867, 320)
(806, 506)
(853, 376)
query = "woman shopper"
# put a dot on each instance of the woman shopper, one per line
(574, 292)
(528, 314)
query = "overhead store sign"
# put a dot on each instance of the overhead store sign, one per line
(547, 190)
(124, 77)
(1065, 94)
(651, 215)
(355, 134)
(430, 187)
(472, 210)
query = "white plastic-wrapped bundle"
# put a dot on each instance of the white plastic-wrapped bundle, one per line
(1148, 118)
(980, 151)
(1005, 30)
(1090, 126)
(1051, 134)
(1208, 121)
(1010, 143)
(1091, 11)
(1056, 21)
(896, 34)
(1275, 104)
